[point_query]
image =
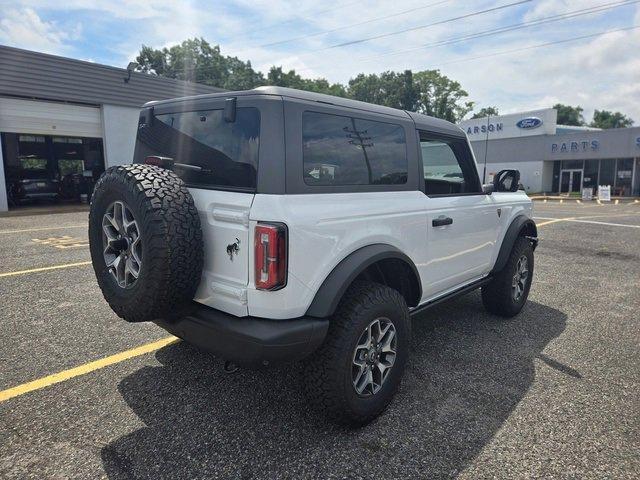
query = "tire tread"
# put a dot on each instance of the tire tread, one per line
(496, 295)
(323, 370)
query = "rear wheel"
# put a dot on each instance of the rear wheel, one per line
(507, 293)
(356, 372)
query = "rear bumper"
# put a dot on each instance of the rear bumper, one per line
(249, 341)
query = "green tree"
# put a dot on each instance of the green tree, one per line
(195, 60)
(568, 115)
(607, 119)
(441, 97)
(486, 112)
(291, 79)
(427, 92)
(391, 89)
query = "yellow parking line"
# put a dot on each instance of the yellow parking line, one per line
(44, 269)
(84, 369)
(62, 227)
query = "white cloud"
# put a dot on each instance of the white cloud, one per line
(544, 8)
(595, 73)
(25, 29)
(598, 73)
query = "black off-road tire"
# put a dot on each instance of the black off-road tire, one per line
(497, 295)
(327, 373)
(171, 242)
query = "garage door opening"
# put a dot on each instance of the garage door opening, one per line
(50, 170)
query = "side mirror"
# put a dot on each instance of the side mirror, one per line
(506, 181)
(488, 188)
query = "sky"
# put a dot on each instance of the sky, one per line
(340, 38)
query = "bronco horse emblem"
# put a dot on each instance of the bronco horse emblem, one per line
(233, 248)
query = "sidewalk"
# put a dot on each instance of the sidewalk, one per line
(564, 198)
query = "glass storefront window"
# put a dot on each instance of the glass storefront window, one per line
(571, 164)
(555, 182)
(590, 179)
(624, 175)
(607, 172)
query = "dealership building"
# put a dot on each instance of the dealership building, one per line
(63, 121)
(554, 158)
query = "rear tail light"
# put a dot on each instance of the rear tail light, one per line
(270, 245)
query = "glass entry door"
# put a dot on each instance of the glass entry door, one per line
(570, 181)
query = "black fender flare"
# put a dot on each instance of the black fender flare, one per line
(518, 224)
(335, 285)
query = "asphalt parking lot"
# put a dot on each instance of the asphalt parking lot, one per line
(552, 393)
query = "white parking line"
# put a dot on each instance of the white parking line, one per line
(609, 224)
(580, 220)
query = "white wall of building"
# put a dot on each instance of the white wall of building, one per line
(523, 124)
(532, 174)
(547, 176)
(120, 127)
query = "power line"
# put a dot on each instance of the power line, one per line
(513, 27)
(496, 31)
(318, 12)
(337, 29)
(421, 27)
(537, 22)
(540, 45)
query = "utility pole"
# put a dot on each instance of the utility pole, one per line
(360, 138)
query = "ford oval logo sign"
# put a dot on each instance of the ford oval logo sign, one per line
(530, 122)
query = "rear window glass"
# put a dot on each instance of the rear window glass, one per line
(208, 152)
(339, 150)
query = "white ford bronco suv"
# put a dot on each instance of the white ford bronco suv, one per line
(275, 224)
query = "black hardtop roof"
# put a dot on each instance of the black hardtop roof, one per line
(421, 121)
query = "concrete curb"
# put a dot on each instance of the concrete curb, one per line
(614, 200)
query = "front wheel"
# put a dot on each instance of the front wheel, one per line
(356, 372)
(507, 293)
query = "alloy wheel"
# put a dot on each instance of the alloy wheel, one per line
(122, 244)
(374, 356)
(520, 278)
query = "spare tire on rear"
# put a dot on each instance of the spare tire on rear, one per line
(145, 241)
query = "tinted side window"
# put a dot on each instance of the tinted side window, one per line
(339, 150)
(448, 167)
(220, 154)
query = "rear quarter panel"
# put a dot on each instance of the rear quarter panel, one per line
(326, 228)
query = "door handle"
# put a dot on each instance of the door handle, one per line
(441, 221)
